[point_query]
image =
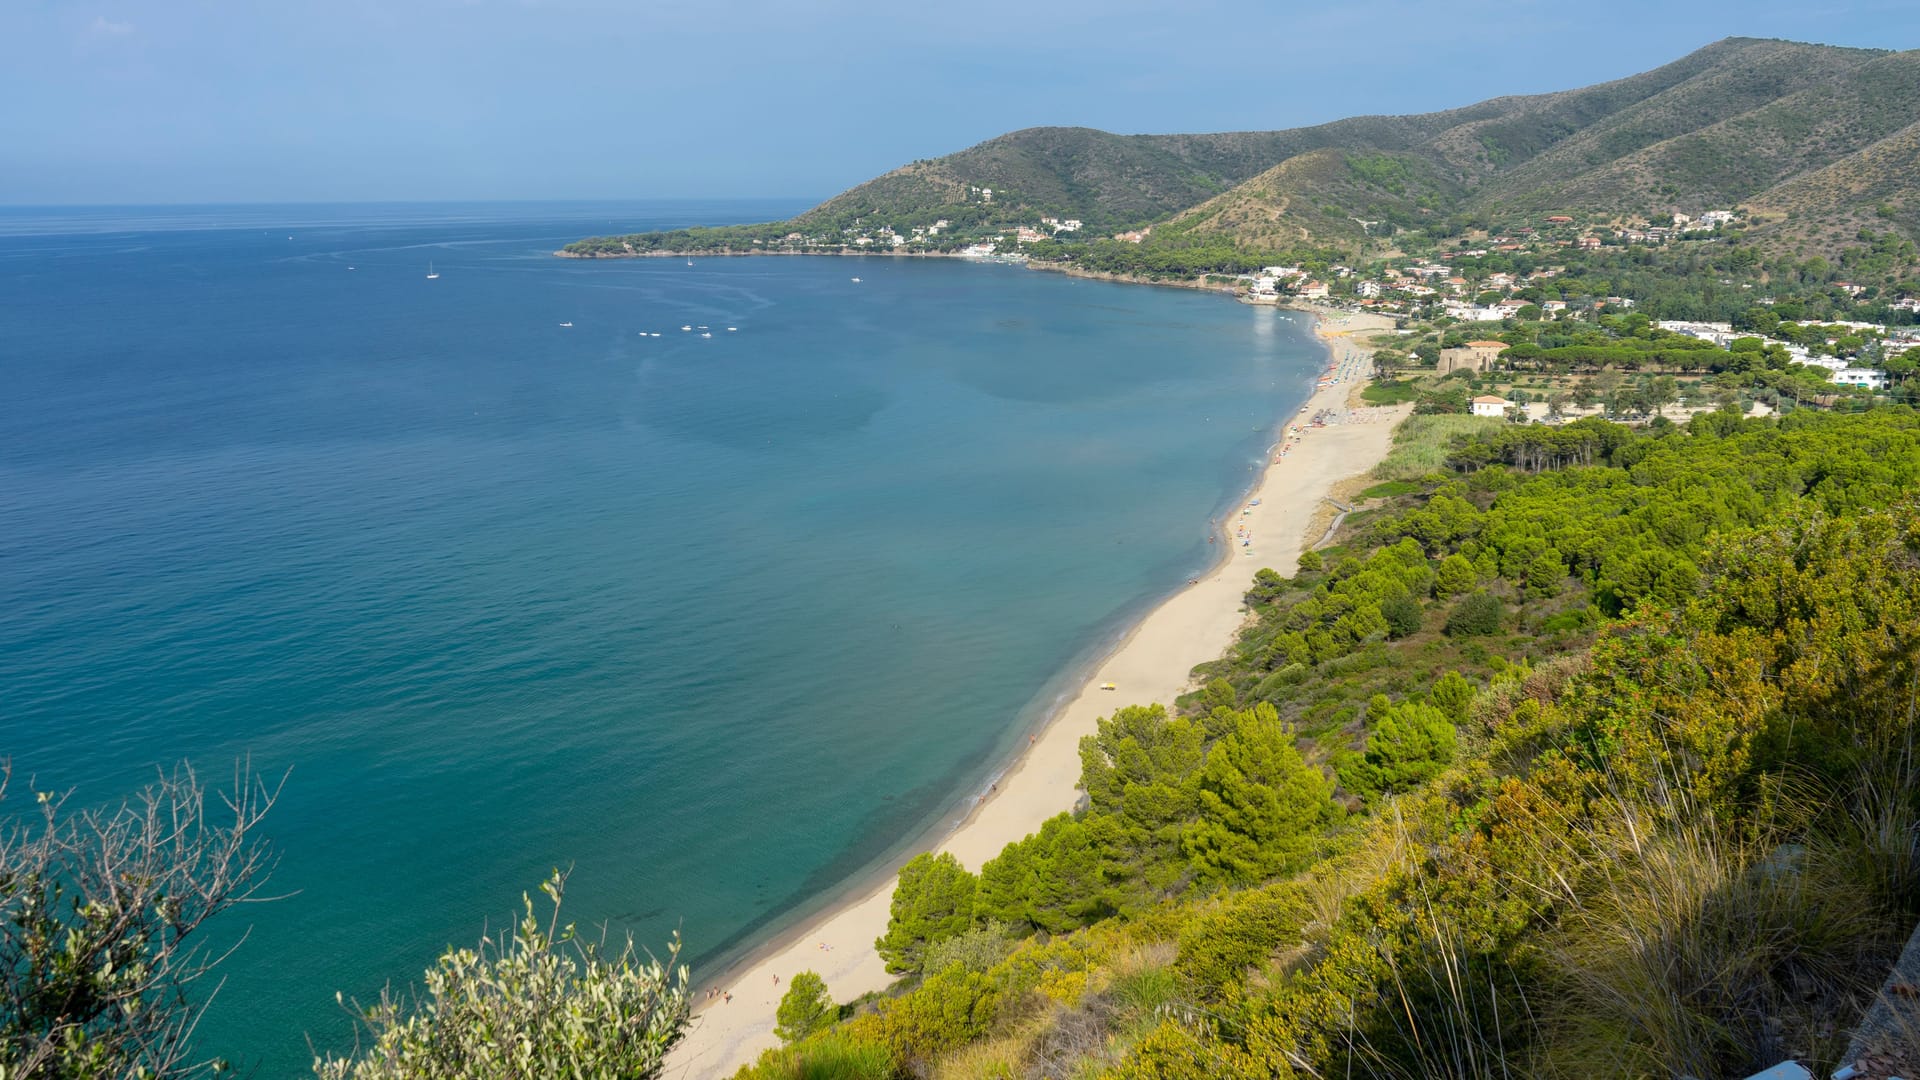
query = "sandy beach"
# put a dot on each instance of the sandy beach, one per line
(1152, 664)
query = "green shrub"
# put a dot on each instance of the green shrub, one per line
(1477, 615)
(950, 1008)
(1390, 489)
(539, 1001)
(1402, 613)
(1454, 695)
(828, 1056)
(978, 949)
(1218, 948)
(804, 1009)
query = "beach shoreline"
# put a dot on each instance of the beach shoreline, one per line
(1151, 662)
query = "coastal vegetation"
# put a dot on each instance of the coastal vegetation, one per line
(1580, 750)
(106, 958)
(540, 1001)
(103, 919)
(1507, 779)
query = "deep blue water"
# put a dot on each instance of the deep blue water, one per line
(717, 622)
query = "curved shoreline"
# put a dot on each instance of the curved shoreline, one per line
(1151, 662)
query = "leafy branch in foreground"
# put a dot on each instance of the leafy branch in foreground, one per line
(98, 914)
(539, 1002)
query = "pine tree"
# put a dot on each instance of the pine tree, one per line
(1454, 695)
(1456, 576)
(1261, 804)
(1409, 744)
(934, 900)
(804, 1009)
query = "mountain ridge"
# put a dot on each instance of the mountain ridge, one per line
(1727, 124)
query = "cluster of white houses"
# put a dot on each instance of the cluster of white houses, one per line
(1840, 370)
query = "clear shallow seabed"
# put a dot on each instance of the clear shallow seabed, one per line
(717, 622)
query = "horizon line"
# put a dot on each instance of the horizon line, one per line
(187, 204)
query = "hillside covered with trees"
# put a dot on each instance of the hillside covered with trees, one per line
(1589, 754)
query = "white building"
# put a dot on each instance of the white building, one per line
(1830, 363)
(1869, 378)
(1488, 405)
(1469, 313)
(1717, 332)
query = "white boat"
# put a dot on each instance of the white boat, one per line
(566, 325)
(686, 328)
(732, 329)
(856, 281)
(431, 272)
(656, 334)
(706, 335)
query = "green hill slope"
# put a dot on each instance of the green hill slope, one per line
(1109, 181)
(1874, 187)
(1727, 134)
(1814, 131)
(1722, 124)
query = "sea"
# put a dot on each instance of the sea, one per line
(720, 584)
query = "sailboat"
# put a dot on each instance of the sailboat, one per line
(432, 274)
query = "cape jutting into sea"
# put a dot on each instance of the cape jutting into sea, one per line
(717, 583)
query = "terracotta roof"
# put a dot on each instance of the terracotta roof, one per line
(1485, 399)
(1486, 344)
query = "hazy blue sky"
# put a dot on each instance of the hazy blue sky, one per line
(264, 100)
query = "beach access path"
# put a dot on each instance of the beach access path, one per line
(1152, 664)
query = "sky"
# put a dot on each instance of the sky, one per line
(187, 101)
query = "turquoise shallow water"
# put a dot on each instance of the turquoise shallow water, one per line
(718, 622)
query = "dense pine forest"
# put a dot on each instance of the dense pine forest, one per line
(1591, 753)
